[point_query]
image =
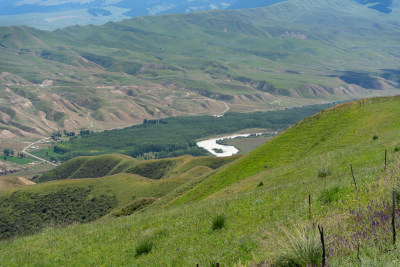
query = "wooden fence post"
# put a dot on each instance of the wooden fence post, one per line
(393, 217)
(309, 207)
(321, 232)
(352, 173)
(385, 158)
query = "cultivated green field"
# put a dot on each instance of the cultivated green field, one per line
(19, 160)
(262, 196)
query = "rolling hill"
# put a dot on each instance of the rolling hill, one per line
(50, 15)
(260, 195)
(7, 182)
(88, 188)
(110, 76)
(106, 165)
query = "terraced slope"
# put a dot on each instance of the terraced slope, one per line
(312, 157)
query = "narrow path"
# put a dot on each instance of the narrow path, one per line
(227, 108)
(36, 157)
(225, 111)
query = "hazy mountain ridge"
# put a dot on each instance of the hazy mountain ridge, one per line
(56, 14)
(135, 8)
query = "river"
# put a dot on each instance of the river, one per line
(227, 151)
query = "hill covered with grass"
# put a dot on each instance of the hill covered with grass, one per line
(248, 212)
(88, 188)
(118, 74)
(7, 182)
(100, 166)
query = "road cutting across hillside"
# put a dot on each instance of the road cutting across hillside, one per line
(36, 157)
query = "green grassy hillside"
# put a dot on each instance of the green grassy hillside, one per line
(100, 166)
(349, 127)
(118, 74)
(261, 196)
(113, 185)
(28, 210)
(7, 182)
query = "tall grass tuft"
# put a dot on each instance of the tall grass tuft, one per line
(219, 222)
(144, 247)
(299, 247)
(324, 172)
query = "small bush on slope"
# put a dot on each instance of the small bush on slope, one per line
(219, 222)
(324, 172)
(299, 247)
(144, 247)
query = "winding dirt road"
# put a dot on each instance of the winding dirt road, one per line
(36, 157)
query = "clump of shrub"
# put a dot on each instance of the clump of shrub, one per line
(24, 212)
(219, 222)
(299, 247)
(324, 172)
(260, 184)
(144, 246)
(396, 148)
(375, 137)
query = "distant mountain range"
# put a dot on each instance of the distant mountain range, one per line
(117, 74)
(52, 14)
(134, 8)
